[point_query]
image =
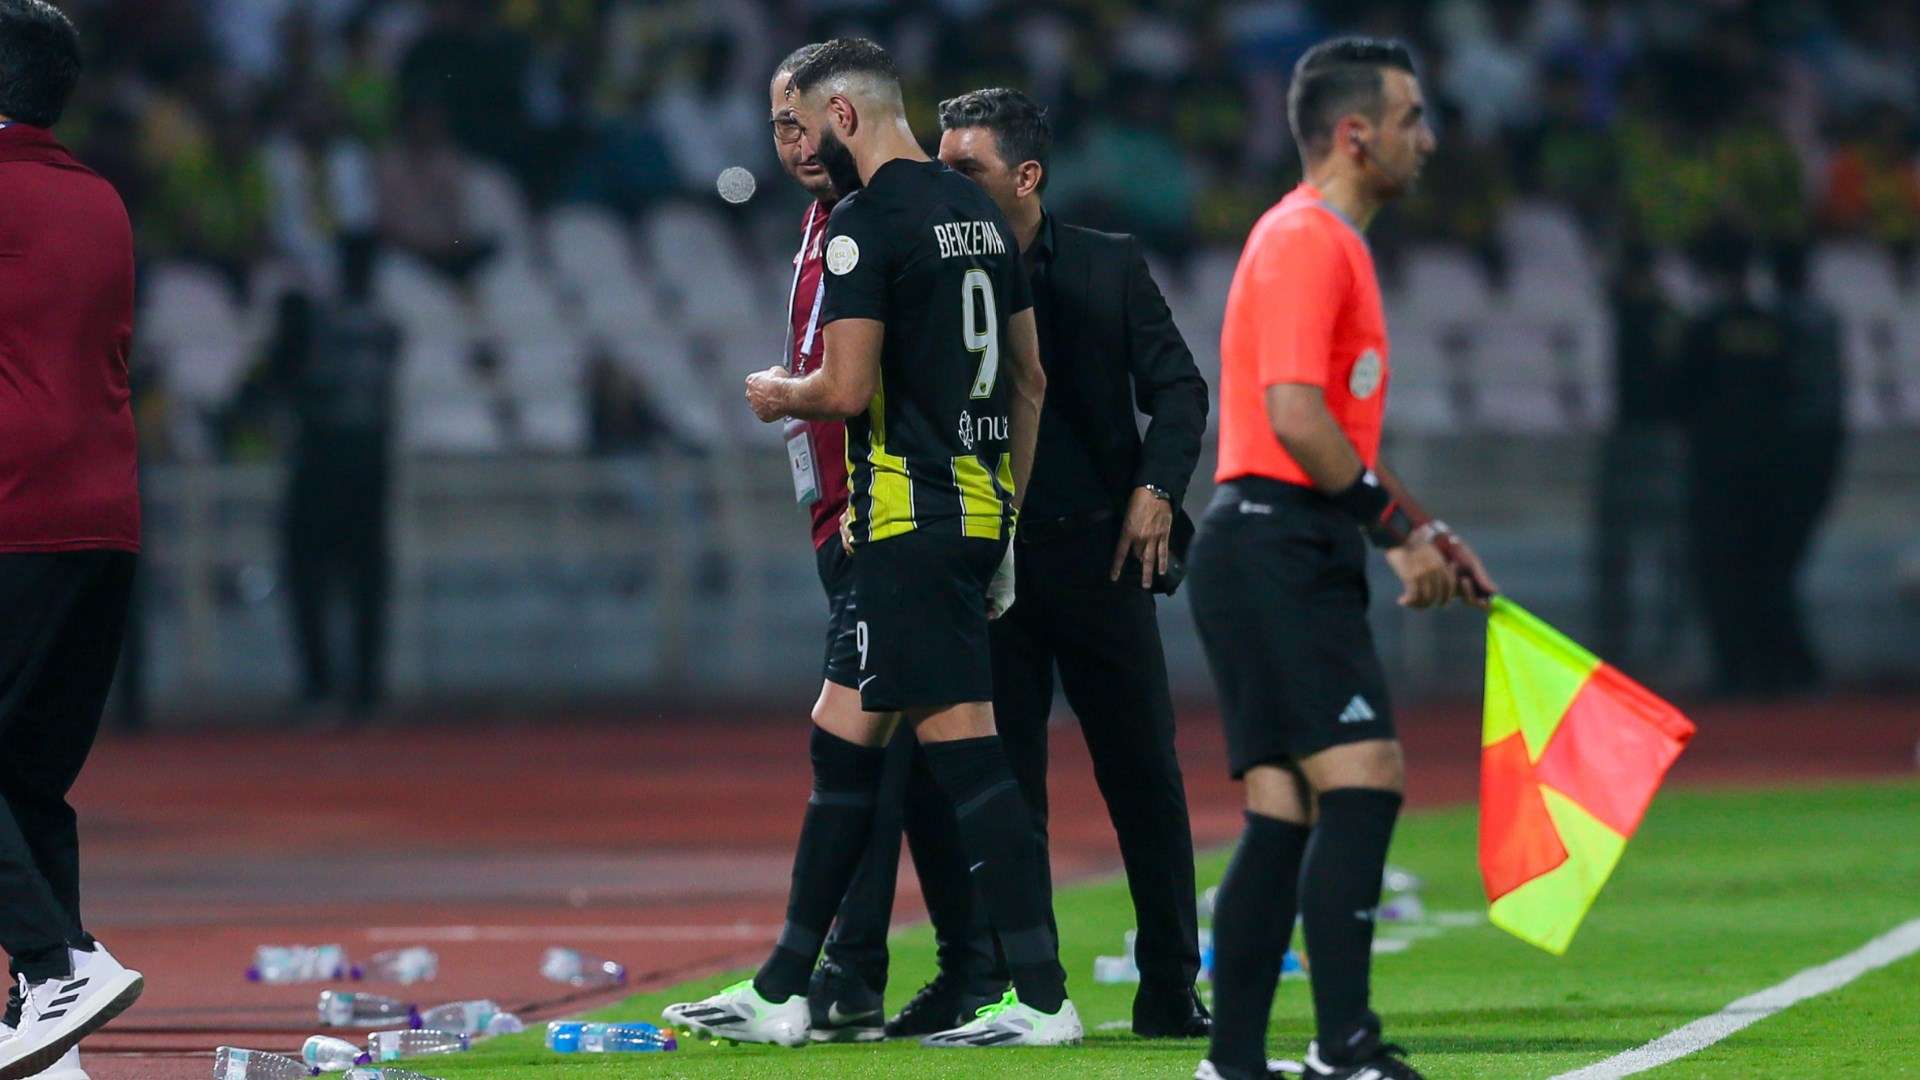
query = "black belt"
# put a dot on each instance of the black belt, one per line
(1047, 530)
(1260, 494)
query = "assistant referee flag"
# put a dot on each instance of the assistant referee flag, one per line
(1571, 752)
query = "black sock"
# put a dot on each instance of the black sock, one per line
(1339, 899)
(1252, 924)
(13, 1005)
(833, 838)
(996, 832)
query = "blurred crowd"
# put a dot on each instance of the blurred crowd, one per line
(252, 136)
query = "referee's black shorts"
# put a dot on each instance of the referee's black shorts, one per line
(842, 665)
(1278, 584)
(922, 629)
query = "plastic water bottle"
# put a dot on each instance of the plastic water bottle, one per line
(634, 1037)
(340, 1008)
(576, 968)
(280, 965)
(465, 1017)
(328, 1054)
(1206, 953)
(391, 1045)
(384, 1074)
(403, 966)
(505, 1024)
(233, 1063)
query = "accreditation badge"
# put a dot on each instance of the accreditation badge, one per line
(806, 474)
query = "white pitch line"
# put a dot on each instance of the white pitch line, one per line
(1890, 947)
(725, 932)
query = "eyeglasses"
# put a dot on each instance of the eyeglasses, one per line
(786, 129)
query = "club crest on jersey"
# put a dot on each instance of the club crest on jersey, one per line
(1366, 375)
(842, 254)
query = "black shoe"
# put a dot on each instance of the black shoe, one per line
(1378, 1061)
(843, 1007)
(941, 1005)
(1170, 1013)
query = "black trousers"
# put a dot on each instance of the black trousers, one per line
(1103, 640)
(1753, 519)
(336, 543)
(59, 644)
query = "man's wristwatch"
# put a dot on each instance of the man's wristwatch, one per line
(1159, 492)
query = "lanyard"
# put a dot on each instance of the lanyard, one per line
(793, 292)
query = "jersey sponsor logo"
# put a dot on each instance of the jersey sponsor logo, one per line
(1366, 376)
(843, 254)
(958, 238)
(983, 429)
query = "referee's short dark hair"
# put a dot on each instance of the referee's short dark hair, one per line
(1337, 77)
(845, 56)
(39, 61)
(1019, 125)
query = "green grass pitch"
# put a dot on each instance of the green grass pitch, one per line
(1721, 894)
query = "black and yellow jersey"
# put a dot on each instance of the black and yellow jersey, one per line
(925, 251)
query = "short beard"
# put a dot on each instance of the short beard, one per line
(834, 157)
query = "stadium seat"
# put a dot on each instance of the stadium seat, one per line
(1446, 280)
(587, 246)
(191, 321)
(553, 423)
(497, 210)
(421, 301)
(690, 251)
(1856, 278)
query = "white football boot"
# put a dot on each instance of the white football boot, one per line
(740, 1014)
(1007, 1022)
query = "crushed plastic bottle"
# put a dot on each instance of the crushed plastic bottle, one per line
(233, 1063)
(505, 1024)
(634, 1037)
(465, 1017)
(404, 966)
(580, 969)
(283, 965)
(341, 1008)
(392, 1045)
(328, 1054)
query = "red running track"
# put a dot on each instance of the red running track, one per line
(662, 842)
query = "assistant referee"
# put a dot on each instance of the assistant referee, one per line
(1279, 570)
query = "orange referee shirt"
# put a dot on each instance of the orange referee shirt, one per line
(1304, 308)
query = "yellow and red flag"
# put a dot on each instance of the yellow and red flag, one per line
(1571, 752)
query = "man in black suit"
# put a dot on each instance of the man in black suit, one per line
(1102, 532)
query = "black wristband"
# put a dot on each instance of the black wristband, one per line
(1369, 503)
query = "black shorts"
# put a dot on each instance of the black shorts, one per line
(1279, 593)
(923, 620)
(842, 666)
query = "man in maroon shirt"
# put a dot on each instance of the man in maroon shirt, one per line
(69, 531)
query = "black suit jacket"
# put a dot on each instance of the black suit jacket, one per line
(1114, 348)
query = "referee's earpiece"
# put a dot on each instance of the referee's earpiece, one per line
(1354, 138)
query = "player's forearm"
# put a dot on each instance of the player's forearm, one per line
(817, 397)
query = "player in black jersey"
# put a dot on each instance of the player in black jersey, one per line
(933, 358)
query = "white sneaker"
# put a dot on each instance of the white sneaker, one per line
(1009, 1023)
(67, 1068)
(56, 1014)
(740, 1014)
